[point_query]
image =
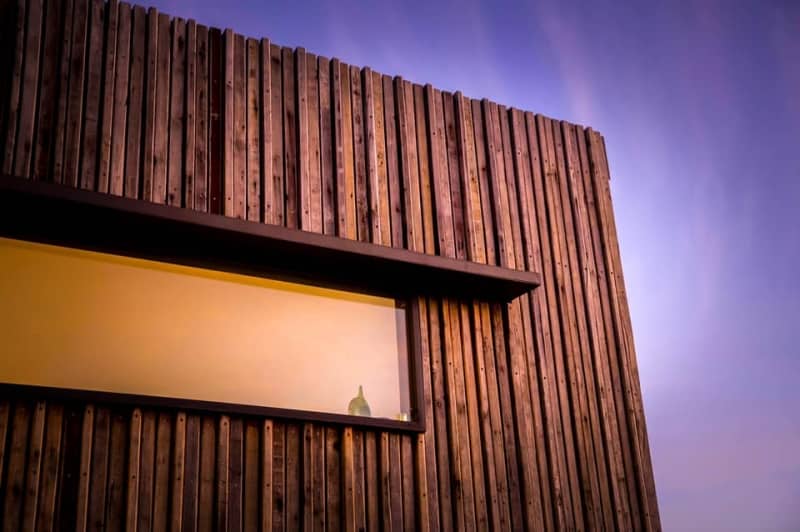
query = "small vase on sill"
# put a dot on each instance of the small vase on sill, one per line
(358, 405)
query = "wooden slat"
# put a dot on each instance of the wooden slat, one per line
(253, 142)
(150, 104)
(290, 156)
(177, 115)
(17, 72)
(439, 172)
(318, 475)
(82, 507)
(303, 181)
(49, 89)
(266, 474)
(34, 467)
(147, 467)
(334, 514)
(371, 481)
(308, 476)
(60, 129)
(278, 476)
(72, 144)
(99, 468)
(108, 92)
(392, 163)
(91, 113)
(134, 462)
(198, 193)
(188, 186)
(265, 132)
(251, 471)
(359, 154)
(327, 148)
(191, 473)
(313, 159)
(160, 161)
(238, 207)
(227, 119)
(235, 475)
(69, 475)
(133, 147)
(178, 472)
(222, 486)
(117, 456)
(274, 211)
(294, 478)
(30, 81)
(46, 511)
(216, 89)
(112, 171)
(409, 165)
(345, 170)
(207, 487)
(425, 175)
(162, 481)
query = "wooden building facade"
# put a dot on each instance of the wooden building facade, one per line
(533, 411)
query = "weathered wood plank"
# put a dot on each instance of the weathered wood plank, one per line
(191, 110)
(265, 132)
(253, 142)
(51, 456)
(279, 476)
(150, 105)
(290, 156)
(303, 181)
(328, 164)
(82, 506)
(425, 179)
(161, 477)
(313, 158)
(50, 89)
(75, 110)
(117, 454)
(275, 212)
(34, 467)
(26, 112)
(17, 73)
(91, 114)
(216, 81)
(395, 205)
(318, 474)
(222, 481)
(207, 487)
(115, 112)
(333, 479)
(133, 478)
(294, 478)
(130, 153)
(239, 133)
(371, 482)
(178, 472)
(99, 469)
(228, 116)
(266, 471)
(235, 475)
(108, 94)
(359, 154)
(61, 117)
(250, 471)
(177, 115)
(191, 473)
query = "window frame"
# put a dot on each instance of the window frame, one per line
(56, 214)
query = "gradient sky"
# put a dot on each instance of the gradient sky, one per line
(699, 102)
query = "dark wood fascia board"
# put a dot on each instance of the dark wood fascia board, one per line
(58, 214)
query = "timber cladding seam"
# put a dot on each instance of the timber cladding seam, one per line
(533, 410)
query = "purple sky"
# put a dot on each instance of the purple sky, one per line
(699, 102)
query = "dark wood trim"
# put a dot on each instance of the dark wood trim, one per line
(25, 391)
(57, 214)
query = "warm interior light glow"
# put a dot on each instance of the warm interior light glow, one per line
(93, 321)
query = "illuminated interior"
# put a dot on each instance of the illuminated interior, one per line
(93, 321)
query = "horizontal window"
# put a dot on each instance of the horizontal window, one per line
(82, 320)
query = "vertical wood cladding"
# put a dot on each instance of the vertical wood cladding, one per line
(533, 409)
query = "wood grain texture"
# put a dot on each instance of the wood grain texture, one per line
(533, 410)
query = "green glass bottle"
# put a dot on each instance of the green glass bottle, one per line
(358, 405)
